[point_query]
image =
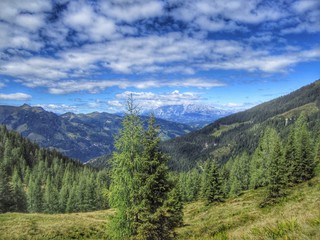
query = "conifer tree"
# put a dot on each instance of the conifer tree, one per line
(306, 158)
(51, 197)
(291, 156)
(212, 191)
(302, 168)
(140, 187)
(126, 162)
(277, 174)
(18, 193)
(5, 192)
(158, 211)
(239, 174)
(261, 159)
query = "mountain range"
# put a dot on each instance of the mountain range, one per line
(195, 115)
(79, 136)
(229, 136)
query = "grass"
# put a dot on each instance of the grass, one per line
(90, 225)
(296, 217)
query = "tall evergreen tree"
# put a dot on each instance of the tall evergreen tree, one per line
(212, 186)
(5, 192)
(140, 187)
(291, 156)
(239, 174)
(156, 208)
(277, 174)
(18, 193)
(126, 162)
(301, 159)
(261, 159)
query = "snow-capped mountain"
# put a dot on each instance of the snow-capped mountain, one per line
(196, 115)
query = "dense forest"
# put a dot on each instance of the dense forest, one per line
(277, 163)
(228, 137)
(33, 179)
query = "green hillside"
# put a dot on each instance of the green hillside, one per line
(78, 136)
(229, 136)
(297, 216)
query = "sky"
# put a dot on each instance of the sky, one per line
(85, 56)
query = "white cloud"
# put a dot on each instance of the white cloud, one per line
(65, 87)
(59, 108)
(2, 85)
(150, 100)
(133, 37)
(15, 96)
(305, 5)
(30, 21)
(130, 11)
(88, 23)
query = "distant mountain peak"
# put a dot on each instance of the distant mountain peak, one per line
(194, 114)
(32, 108)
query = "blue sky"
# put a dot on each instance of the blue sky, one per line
(85, 56)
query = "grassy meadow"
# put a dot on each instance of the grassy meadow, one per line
(297, 216)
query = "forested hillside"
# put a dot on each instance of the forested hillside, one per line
(230, 136)
(33, 179)
(79, 136)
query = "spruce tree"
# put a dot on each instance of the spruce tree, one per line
(126, 162)
(212, 191)
(18, 193)
(261, 159)
(158, 211)
(303, 167)
(291, 156)
(140, 188)
(5, 192)
(239, 174)
(277, 174)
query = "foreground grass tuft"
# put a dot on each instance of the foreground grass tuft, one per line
(53, 226)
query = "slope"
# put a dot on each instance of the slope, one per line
(80, 136)
(238, 132)
(296, 217)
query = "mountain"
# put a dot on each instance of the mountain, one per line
(231, 135)
(34, 179)
(196, 115)
(80, 136)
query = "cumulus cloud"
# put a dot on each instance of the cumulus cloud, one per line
(88, 23)
(15, 96)
(149, 100)
(60, 44)
(130, 11)
(65, 87)
(59, 108)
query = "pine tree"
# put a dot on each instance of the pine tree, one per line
(51, 197)
(239, 174)
(140, 187)
(212, 191)
(5, 192)
(277, 174)
(126, 162)
(18, 193)
(156, 209)
(291, 156)
(261, 159)
(303, 167)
